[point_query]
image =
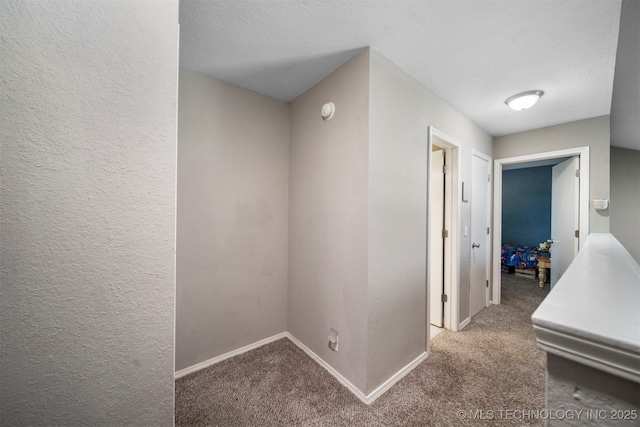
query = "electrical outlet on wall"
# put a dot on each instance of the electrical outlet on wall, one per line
(333, 340)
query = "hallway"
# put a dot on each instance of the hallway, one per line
(490, 370)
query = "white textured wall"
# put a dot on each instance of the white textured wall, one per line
(401, 110)
(88, 113)
(625, 199)
(232, 218)
(593, 133)
(328, 219)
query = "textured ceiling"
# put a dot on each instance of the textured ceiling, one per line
(473, 54)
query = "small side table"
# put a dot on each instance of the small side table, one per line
(544, 264)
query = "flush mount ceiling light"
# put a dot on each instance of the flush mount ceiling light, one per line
(524, 100)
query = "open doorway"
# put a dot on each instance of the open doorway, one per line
(569, 161)
(442, 234)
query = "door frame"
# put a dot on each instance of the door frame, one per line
(437, 192)
(489, 240)
(583, 153)
(452, 223)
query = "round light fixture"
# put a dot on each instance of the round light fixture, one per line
(524, 100)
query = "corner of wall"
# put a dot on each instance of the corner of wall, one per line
(232, 222)
(401, 110)
(328, 219)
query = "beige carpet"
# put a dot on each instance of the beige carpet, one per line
(493, 365)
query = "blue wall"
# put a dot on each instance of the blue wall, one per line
(526, 206)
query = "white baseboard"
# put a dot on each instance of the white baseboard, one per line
(366, 399)
(217, 359)
(345, 382)
(371, 397)
(464, 323)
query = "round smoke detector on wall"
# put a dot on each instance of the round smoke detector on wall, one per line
(327, 110)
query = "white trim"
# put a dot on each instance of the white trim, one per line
(371, 397)
(620, 362)
(342, 380)
(583, 152)
(454, 282)
(464, 323)
(602, 279)
(217, 359)
(452, 222)
(366, 399)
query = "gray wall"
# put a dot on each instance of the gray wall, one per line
(401, 111)
(328, 219)
(590, 132)
(577, 389)
(625, 199)
(232, 218)
(88, 113)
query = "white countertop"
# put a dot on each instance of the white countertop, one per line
(592, 315)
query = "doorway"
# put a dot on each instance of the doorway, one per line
(442, 233)
(581, 208)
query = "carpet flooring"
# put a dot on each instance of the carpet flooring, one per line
(486, 370)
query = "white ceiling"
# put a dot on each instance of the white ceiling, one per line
(472, 53)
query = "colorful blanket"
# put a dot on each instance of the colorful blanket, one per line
(521, 256)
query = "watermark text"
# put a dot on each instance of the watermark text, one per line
(547, 414)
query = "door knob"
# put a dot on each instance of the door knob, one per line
(475, 245)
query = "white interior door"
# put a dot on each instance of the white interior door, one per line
(565, 198)
(436, 245)
(479, 291)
